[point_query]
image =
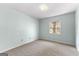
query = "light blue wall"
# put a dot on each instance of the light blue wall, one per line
(16, 29)
(77, 29)
(68, 28)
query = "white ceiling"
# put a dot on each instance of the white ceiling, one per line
(33, 9)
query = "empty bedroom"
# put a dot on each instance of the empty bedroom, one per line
(39, 29)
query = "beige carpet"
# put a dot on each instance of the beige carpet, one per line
(43, 48)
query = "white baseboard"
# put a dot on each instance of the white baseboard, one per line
(2, 51)
(61, 42)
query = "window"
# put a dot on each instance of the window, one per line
(55, 27)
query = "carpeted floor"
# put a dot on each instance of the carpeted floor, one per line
(43, 48)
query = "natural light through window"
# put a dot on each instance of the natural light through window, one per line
(55, 27)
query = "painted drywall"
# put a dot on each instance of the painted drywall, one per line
(16, 28)
(77, 29)
(67, 28)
